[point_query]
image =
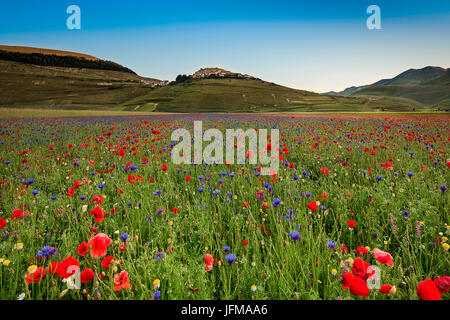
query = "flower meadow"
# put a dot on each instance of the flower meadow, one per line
(92, 208)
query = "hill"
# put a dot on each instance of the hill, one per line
(60, 60)
(235, 94)
(26, 85)
(29, 50)
(426, 88)
(53, 79)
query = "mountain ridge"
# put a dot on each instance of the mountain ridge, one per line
(410, 73)
(428, 87)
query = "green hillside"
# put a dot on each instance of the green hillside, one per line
(420, 89)
(26, 85)
(236, 95)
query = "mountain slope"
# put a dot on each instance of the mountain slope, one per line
(426, 88)
(414, 76)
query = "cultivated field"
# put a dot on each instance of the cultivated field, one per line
(357, 197)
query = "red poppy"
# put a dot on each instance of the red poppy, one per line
(346, 280)
(188, 178)
(65, 268)
(208, 266)
(70, 191)
(443, 284)
(164, 167)
(36, 276)
(387, 289)
(244, 243)
(351, 224)
(427, 290)
(324, 171)
(76, 184)
(383, 257)
(131, 179)
(121, 281)
(313, 206)
(99, 244)
(17, 213)
(97, 199)
(83, 248)
(362, 250)
(106, 262)
(98, 213)
(358, 287)
(209, 258)
(86, 276)
(2, 223)
(175, 210)
(362, 269)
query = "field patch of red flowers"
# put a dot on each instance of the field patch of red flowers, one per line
(94, 208)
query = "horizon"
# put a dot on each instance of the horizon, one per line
(317, 47)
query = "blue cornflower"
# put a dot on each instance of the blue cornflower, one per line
(124, 237)
(226, 249)
(295, 235)
(159, 256)
(331, 244)
(230, 258)
(276, 202)
(46, 252)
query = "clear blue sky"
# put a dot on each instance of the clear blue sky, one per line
(316, 45)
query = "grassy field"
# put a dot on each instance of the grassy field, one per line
(8, 113)
(418, 96)
(256, 96)
(30, 86)
(102, 196)
(40, 87)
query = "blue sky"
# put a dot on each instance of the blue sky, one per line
(314, 45)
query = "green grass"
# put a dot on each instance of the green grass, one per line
(282, 268)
